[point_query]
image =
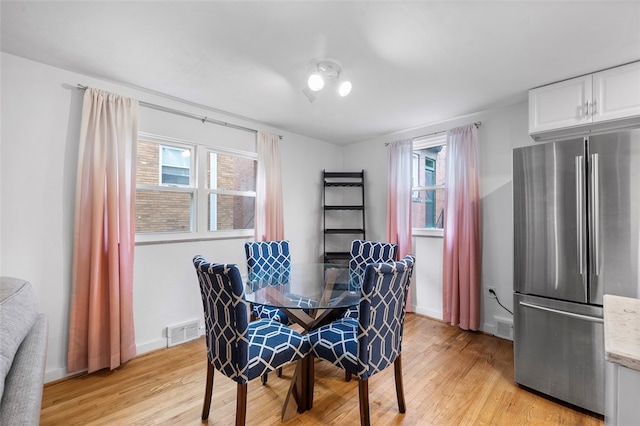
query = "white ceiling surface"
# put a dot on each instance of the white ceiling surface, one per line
(411, 63)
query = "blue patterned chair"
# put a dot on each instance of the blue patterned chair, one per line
(239, 349)
(361, 254)
(369, 344)
(268, 262)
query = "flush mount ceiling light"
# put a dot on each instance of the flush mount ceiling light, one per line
(323, 73)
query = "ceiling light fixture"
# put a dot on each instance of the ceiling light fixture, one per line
(325, 72)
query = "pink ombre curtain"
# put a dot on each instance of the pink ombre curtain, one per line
(101, 332)
(269, 223)
(461, 270)
(399, 198)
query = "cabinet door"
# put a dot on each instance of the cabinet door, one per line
(560, 105)
(616, 93)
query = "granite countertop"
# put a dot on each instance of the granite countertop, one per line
(622, 330)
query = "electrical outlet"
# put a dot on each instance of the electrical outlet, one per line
(492, 292)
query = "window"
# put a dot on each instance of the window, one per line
(187, 190)
(175, 166)
(429, 168)
(232, 191)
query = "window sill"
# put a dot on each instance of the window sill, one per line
(168, 238)
(427, 232)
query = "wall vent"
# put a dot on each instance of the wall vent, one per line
(504, 328)
(182, 333)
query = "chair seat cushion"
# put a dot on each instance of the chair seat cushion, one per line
(275, 314)
(301, 301)
(269, 313)
(351, 312)
(337, 343)
(272, 345)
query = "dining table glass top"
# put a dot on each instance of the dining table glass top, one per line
(306, 286)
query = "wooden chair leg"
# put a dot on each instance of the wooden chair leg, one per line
(265, 377)
(397, 367)
(363, 391)
(347, 376)
(241, 405)
(207, 392)
(279, 372)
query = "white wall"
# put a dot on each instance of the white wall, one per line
(41, 109)
(502, 129)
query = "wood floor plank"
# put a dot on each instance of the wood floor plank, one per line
(451, 377)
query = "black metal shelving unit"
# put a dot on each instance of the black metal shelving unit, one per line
(340, 181)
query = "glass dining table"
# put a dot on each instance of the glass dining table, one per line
(311, 295)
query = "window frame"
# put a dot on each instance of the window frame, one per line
(422, 143)
(199, 214)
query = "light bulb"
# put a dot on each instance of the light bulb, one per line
(344, 89)
(315, 82)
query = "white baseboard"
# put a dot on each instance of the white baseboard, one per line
(489, 328)
(432, 313)
(61, 372)
(56, 374)
(151, 346)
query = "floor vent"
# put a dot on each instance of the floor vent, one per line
(504, 328)
(182, 333)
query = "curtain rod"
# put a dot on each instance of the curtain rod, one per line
(189, 115)
(477, 124)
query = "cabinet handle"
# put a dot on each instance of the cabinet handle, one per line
(595, 107)
(586, 109)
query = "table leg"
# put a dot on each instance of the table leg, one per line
(303, 384)
(310, 382)
(292, 400)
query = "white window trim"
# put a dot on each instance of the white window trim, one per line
(200, 219)
(427, 232)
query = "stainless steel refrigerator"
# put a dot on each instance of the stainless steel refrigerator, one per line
(576, 237)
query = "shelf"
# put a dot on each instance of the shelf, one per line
(344, 207)
(336, 256)
(343, 184)
(344, 231)
(332, 175)
(347, 188)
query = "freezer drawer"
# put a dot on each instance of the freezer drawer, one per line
(559, 350)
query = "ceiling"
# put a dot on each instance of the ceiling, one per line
(411, 63)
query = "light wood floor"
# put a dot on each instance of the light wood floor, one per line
(451, 377)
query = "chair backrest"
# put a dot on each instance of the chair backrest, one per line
(268, 261)
(381, 314)
(225, 317)
(364, 252)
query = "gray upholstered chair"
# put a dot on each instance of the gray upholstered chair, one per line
(372, 342)
(239, 349)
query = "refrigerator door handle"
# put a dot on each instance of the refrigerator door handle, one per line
(579, 212)
(564, 313)
(595, 212)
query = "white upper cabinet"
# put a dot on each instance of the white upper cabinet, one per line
(616, 93)
(560, 105)
(612, 94)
